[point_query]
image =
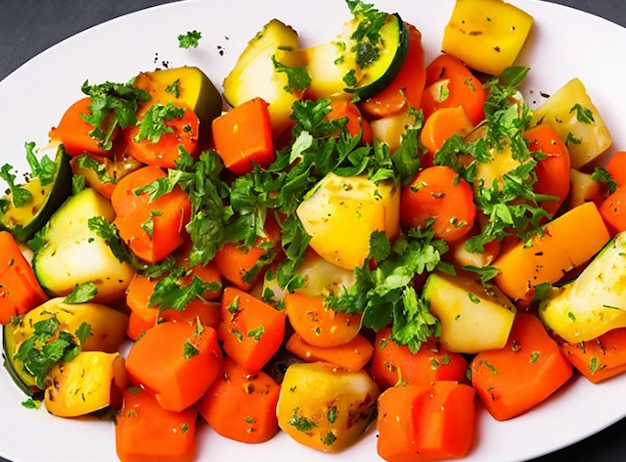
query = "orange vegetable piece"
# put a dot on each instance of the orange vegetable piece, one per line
(164, 150)
(20, 291)
(176, 361)
(143, 316)
(317, 324)
(553, 172)
(407, 88)
(565, 245)
(73, 131)
(601, 358)
(243, 266)
(393, 364)
(145, 432)
(137, 326)
(613, 210)
(354, 354)
(441, 125)
(355, 123)
(616, 166)
(450, 83)
(251, 331)
(425, 422)
(530, 368)
(243, 136)
(439, 193)
(242, 406)
(152, 229)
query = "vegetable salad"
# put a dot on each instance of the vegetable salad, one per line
(345, 236)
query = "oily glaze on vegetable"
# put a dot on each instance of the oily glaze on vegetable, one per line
(333, 252)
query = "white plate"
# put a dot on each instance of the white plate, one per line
(565, 43)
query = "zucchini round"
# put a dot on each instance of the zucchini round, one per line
(349, 65)
(375, 76)
(23, 222)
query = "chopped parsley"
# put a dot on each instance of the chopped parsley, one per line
(301, 423)
(82, 293)
(20, 196)
(584, 115)
(154, 122)
(298, 77)
(112, 105)
(256, 333)
(602, 175)
(367, 34)
(190, 39)
(386, 295)
(45, 168)
(48, 345)
(189, 351)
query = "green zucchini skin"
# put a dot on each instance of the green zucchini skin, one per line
(8, 352)
(32, 219)
(382, 75)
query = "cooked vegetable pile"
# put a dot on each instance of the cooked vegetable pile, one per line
(346, 237)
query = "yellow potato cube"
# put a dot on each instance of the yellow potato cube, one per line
(487, 34)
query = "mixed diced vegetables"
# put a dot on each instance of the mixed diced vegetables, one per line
(346, 237)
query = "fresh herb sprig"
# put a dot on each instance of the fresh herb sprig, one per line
(48, 345)
(386, 295)
(112, 105)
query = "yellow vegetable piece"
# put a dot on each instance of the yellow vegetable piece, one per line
(595, 302)
(391, 129)
(568, 242)
(187, 85)
(108, 325)
(577, 121)
(85, 384)
(322, 278)
(583, 188)
(324, 406)
(473, 317)
(342, 213)
(256, 73)
(487, 34)
(62, 263)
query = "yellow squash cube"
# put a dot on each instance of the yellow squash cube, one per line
(487, 34)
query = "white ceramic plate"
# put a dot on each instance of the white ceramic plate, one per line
(565, 43)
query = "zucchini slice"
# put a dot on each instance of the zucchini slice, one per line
(24, 382)
(71, 253)
(24, 221)
(357, 66)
